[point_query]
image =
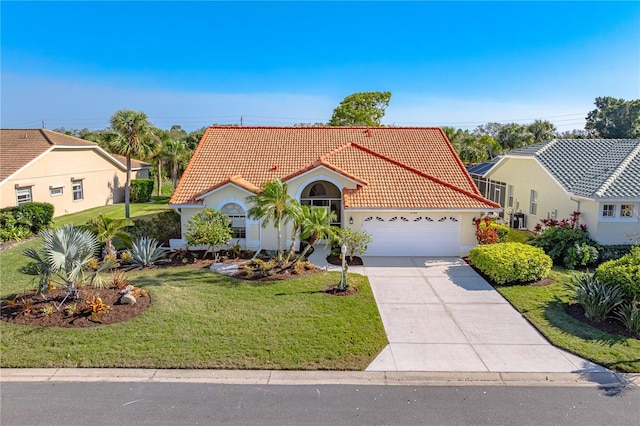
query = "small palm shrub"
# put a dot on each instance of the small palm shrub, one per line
(624, 273)
(511, 262)
(629, 315)
(597, 298)
(146, 252)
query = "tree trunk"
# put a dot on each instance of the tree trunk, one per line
(159, 167)
(127, 188)
(174, 173)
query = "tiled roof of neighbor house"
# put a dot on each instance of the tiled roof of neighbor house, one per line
(135, 164)
(394, 167)
(597, 168)
(20, 146)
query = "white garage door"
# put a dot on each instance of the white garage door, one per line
(410, 235)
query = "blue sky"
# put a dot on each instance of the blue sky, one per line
(446, 63)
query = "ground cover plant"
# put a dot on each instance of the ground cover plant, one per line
(548, 308)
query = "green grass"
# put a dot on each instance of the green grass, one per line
(199, 319)
(518, 235)
(115, 211)
(544, 307)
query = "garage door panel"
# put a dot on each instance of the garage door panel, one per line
(393, 237)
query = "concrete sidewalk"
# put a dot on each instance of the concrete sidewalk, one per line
(440, 315)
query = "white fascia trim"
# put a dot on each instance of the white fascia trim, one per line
(374, 209)
(203, 196)
(28, 164)
(189, 206)
(608, 200)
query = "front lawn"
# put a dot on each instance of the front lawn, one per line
(544, 307)
(114, 211)
(199, 319)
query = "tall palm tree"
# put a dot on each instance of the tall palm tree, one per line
(317, 226)
(175, 152)
(106, 229)
(136, 139)
(272, 204)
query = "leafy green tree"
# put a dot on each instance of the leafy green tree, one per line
(209, 227)
(542, 130)
(355, 240)
(193, 138)
(106, 229)
(273, 205)
(614, 118)
(514, 135)
(490, 129)
(176, 153)
(361, 109)
(134, 138)
(66, 256)
(317, 226)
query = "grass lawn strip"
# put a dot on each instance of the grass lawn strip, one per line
(544, 307)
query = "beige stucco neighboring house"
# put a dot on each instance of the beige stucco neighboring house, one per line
(404, 186)
(600, 178)
(70, 173)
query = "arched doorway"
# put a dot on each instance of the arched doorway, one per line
(323, 194)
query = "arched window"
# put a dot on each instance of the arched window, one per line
(326, 195)
(318, 190)
(238, 219)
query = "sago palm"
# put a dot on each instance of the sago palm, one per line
(273, 205)
(135, 138)
(106, 229)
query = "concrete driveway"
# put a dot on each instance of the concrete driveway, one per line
(440, 315)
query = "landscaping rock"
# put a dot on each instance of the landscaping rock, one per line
(128, 299)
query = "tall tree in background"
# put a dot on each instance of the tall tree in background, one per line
(361, 109)
(134, 138)
(176, 153)
(614, 118)
(542, 130)
(515, 135)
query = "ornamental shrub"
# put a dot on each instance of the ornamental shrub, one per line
(511, 262)
(162, 227)
(39, 215)
(210, 228)
(597, 298)
(557, 241)
(141, 190)
(624, 273)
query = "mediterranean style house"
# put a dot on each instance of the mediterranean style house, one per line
(404, 186)
(600, 178)
(70, 173)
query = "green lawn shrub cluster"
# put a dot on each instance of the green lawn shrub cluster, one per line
(624, 273)
(612, 252)
(19, 222)
(511, 262)
(570, 247)
(162, 227)
(141, 190)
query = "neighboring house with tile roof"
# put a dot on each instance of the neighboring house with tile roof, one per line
(404, 186)
(600, 178)
(70, 173)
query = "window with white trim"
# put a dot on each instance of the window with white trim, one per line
(533, 205)
(238, 219)
(626, 210)
(609, 210)
(510, 196)
(77, 189)
(56, 191)
(23, 195)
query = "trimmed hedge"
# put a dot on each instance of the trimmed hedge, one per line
(141, 190)
(17, 222)
(162, 227)
(623, 272)
(511, 262)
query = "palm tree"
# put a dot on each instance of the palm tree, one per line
(135, 139)
(66, 255)
(175, 152)
(272, 204)
(317, 226)
(106, 229)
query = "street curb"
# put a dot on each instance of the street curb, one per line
(280, 377)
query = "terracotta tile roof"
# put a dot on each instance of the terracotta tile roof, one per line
(20, 146)
(135, 164)
(397, 166)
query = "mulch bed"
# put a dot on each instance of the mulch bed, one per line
(335, 290)
(609, 325)
(335, 260)
(118, 313)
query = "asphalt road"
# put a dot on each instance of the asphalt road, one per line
(100, 403)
